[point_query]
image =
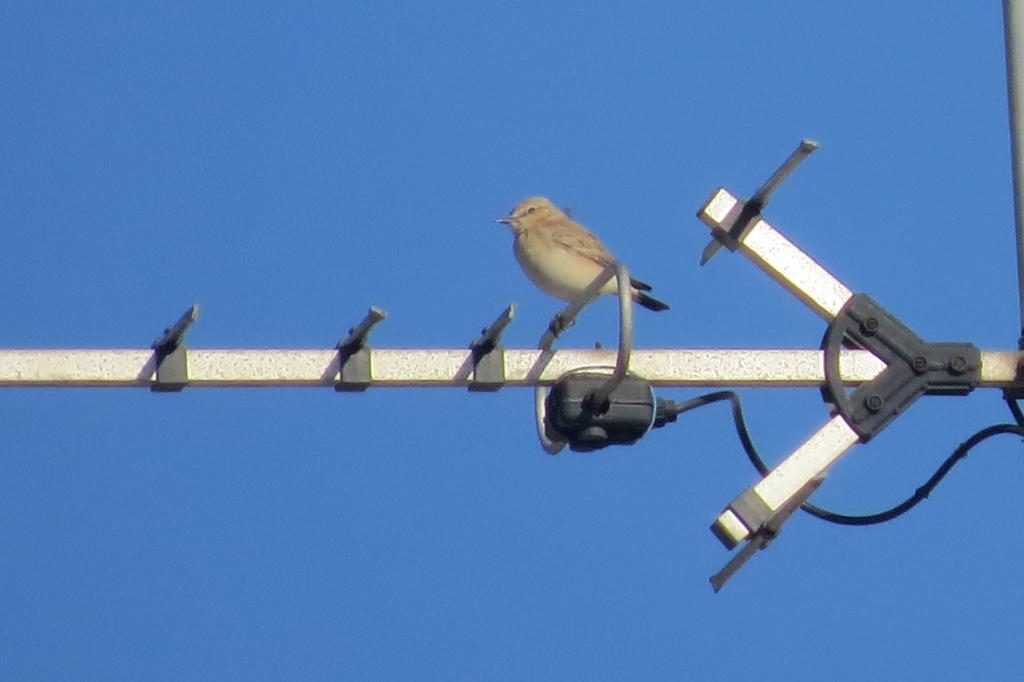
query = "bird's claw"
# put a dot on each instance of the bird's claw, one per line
(559, 324)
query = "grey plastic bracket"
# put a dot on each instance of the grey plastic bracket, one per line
(171, 356)
(355, 369)
(489, 354)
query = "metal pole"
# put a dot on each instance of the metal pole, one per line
(1013, 29)
(604, 391)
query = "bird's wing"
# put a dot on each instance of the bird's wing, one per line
(578, 239)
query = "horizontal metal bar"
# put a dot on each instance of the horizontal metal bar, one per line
(396, 367)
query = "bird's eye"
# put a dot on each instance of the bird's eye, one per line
(531, 209)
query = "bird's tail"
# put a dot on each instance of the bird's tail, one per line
(637, 284)
(649, 302)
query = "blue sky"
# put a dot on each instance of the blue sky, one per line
(286, 166)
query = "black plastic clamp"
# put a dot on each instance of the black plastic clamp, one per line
(629, 412)
(913, 367)
(171, 356)
(354, 365)
(489, 354)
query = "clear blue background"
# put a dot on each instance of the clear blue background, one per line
(288, 165)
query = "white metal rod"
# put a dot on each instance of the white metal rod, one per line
(625, 336)
(397, 367)
(1013, 29)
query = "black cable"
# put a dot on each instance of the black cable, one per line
(737, 418)
(845, 519)
(1014, 406)
(921, 493)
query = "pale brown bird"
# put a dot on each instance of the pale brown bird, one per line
(561, 256)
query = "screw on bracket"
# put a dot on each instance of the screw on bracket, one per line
(874, 402)
(958, 364)
(869, 326)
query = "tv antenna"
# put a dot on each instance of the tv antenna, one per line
(870, 366)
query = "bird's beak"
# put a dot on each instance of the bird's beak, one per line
(507, 220)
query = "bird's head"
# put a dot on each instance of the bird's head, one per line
(530, 211)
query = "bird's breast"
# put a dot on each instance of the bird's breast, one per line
(553, 268)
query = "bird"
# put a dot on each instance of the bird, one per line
(561, 256)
